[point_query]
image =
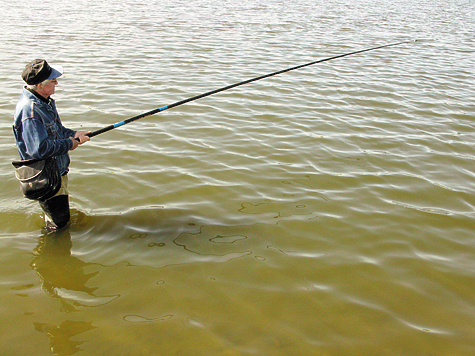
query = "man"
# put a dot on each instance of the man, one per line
(39, 133)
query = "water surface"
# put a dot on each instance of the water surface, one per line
(325, 211)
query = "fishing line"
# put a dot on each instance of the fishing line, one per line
(181, 102)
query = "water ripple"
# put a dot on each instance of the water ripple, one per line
(325, 210)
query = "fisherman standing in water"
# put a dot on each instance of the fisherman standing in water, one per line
(39, 133)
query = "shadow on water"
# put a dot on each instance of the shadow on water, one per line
(158, 238)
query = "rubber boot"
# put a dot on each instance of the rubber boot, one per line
(56, 211)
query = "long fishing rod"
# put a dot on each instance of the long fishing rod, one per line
(181, 102)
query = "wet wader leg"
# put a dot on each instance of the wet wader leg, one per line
(56, 211)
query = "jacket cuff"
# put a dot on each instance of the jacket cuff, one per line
(70, 143)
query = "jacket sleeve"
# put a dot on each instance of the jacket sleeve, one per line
(65, 131)
(37, 143)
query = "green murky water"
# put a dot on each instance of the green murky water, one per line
(325, 211)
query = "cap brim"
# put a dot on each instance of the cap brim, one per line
(56, 71)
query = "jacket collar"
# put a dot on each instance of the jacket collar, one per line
(42, 98)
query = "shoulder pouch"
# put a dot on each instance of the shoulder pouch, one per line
(39, 178)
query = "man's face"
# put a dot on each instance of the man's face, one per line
(48, 89)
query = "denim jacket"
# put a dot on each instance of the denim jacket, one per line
(39, 132)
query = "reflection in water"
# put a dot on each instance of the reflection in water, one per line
(60, 336)
(58, 271)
